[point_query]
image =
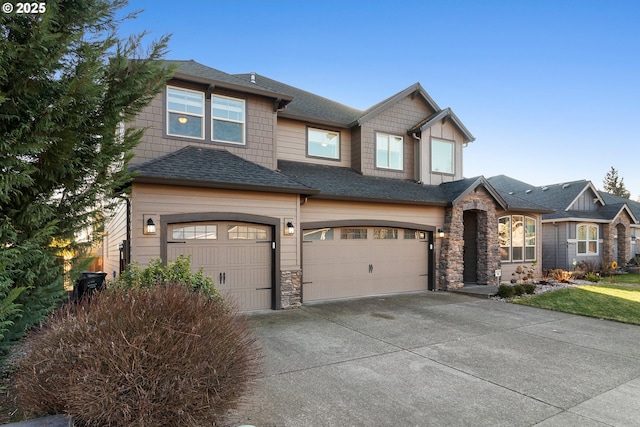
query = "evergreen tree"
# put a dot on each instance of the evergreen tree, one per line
(614, 185)
(66, 82)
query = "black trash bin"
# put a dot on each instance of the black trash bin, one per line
(87, 283)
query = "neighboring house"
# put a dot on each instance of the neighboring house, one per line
(585, 224)
(284, 197)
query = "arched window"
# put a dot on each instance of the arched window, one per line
(517, 234)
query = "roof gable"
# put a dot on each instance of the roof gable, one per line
(458, 190)
(413, 90)
(445, 114)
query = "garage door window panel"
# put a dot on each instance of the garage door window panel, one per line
(243, 232)
(200, 232)
(385, 233)
(318, 234)
(353, 234)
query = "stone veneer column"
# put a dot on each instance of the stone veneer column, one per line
(451, 265)
(290, 289)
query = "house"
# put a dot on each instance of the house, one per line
(286, 197)
(583, 224)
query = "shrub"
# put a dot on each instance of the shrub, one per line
(560, 275)
(518, 290)
(592, 277)
(163, 355)
(529, 288)
(505, 291)
(177, 272)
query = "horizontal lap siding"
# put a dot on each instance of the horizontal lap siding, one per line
(161, 200)
(115, 234)
(328, 210)
(292, 144)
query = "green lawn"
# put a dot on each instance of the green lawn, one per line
(616, 298)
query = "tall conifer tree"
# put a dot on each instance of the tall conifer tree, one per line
(614, 185)
(67, 81)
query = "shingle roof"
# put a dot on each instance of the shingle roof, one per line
(340, 183)
(306, 104)
(559, 197)
(190, 69)
(214, 168)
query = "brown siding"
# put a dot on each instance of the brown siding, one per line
(260, 128)
(115, 234)
(447, 131)
(292, 143)
(395, 120)
(156, 200)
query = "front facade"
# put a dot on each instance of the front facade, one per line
(285, 197)
(582, 225)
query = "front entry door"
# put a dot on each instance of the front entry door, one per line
(470, 256)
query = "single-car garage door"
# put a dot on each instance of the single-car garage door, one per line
(359, 261)
(238, 256)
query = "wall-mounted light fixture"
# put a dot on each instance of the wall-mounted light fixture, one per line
(289, 228)
(440, 233)
(149, 226)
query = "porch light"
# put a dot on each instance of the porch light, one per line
(151, 226)
(290, 228)
(182, 120)
(440, 233)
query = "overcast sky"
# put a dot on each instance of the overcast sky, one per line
(550, 89)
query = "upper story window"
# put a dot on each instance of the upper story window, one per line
(442, 157)
(517, 235)
(323, 143)
(185, 113)
(587, 236)
(389, 149)
(227, 119)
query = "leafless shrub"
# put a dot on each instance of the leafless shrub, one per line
(144, 357)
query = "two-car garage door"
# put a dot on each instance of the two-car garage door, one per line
(238, 256)
(359, 261)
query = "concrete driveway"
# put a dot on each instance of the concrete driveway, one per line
(442, 359)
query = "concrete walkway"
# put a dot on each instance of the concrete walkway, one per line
(442, 359)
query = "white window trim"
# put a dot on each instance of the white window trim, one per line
(597, 240)
(388, 158)
(453, 156)
(524, 243)
(185, 114)
(243, 122)
(325, 131)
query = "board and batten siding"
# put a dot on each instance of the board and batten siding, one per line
(292, 143)
(115, 235)
(157, 200)
(260, 131)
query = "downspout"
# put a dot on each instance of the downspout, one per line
(418, 162)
